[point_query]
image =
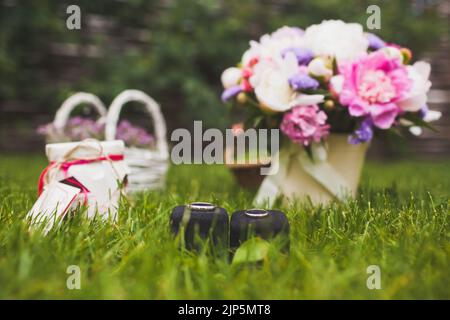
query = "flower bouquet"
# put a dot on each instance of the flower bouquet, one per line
(330, 89)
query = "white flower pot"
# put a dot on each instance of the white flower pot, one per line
(299, 178)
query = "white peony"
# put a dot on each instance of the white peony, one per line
(272, 89)
(231, 77)
(270, 80)
(270, 46)
(419, 73)
(336, 38)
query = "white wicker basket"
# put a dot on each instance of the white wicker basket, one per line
(63, 113)
(148, 166)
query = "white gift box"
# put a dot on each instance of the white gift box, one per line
(89, 172)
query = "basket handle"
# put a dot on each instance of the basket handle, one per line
(63, 113)
(153, 109)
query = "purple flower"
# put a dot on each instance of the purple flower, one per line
(363, 134)
(125, 124)
(76, 121)
(134, 136)
(303, 55)
(423, 111)
(144, 138)
(303, 82)
(230, 92)
(375, 42)
(79, 128)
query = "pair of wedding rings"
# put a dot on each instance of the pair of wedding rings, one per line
(208, 207)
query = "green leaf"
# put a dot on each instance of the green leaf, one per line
(418, 121)
(257, 121)
(252, 250)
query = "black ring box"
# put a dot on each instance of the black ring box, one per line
(266, 224)
(200, 220)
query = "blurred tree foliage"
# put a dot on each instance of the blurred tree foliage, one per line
(174, 50)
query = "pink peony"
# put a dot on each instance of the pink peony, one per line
(305, 124)
(373, 86)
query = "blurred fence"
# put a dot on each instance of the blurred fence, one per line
(63, 63)
(436, 144)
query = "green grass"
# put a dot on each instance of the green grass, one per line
(400, 222)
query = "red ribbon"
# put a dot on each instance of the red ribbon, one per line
(76, 183)
(67, 164)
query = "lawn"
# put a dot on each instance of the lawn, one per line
(400, 222)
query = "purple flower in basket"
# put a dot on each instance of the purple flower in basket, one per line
(79, 128)
(76, 129)
(134, 136)
(124, 130)
(77, 121)
(145, 139)
(363, 134)
(124, 125)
